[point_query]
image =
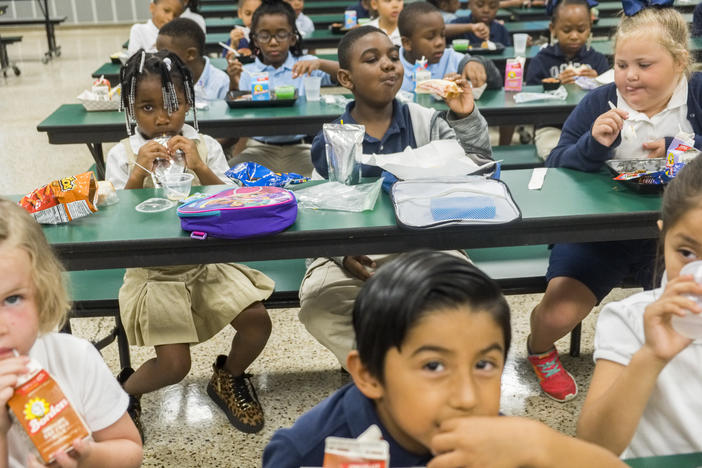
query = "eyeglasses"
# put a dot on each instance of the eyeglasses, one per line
(265, 36)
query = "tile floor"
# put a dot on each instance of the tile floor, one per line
(183, 427)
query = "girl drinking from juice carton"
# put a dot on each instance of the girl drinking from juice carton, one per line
(565, 60)
(172, 308)
(276, 43)
(644, 398)
(33, 301)
(653, 98)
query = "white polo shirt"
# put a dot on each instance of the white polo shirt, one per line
(667, 123)
(142, 36)
(672, 420)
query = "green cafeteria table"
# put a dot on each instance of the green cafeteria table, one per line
(688, 460)
(572, 206)
(71, 123)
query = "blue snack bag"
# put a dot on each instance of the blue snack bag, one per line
(251, 174)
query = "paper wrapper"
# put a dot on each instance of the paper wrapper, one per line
(63, 200)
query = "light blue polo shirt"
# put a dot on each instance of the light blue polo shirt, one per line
(447, 64)
(213, 83)
(280, 76)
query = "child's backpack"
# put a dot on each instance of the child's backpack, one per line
(239, 212)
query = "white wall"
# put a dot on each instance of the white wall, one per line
(83, 11)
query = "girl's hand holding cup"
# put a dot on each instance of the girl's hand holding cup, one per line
(607, 127)
(148, 153)
(189, 149)
(661, 338)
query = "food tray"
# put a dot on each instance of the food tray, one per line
(499, 48)
(617, 166)
(91, 105)
(273, 102)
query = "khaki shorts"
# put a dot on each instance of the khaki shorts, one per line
(546, 139)
(187, 304)
(327, 294)
(278, 158)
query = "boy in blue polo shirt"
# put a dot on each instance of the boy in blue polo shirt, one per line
(481, 12)
(423, 35)
(433, 335)
(370, 67)
(185, 38)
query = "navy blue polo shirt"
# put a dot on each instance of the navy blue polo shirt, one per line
(398, 136)
(346, 413)
(498, 32)
(360, 11)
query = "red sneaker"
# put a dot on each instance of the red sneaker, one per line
(555, 381)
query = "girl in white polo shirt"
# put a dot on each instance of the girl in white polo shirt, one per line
(645, 398)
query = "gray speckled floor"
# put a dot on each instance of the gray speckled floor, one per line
(183, 427)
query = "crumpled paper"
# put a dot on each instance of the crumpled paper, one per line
(559, 94)
(439, 158)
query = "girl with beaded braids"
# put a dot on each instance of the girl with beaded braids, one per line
(276, 43)
(172, 308)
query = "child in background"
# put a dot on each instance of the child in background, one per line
(371, 69)
(388, 14)
(33, 302)
(239, 36)
(482, 12)
(433, 335)
(172, 308)
(423, 35)
(447, 8)
(303, 22)
(570, 25)
(143, 36)
(362, 9)
(646, 372)
(191, 13)
(276, 43)
(654, 101)
(184, 38)
(697, 21)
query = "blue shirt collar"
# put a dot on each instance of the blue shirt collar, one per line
(578, 55)
(287, 65)
(397, 124)
(361, 413)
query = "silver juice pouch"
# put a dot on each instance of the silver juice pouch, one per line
(344, 148)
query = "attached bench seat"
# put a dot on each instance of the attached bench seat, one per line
(5, 63)
(517, 156)
(518, 270)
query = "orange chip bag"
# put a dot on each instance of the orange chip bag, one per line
(63, 200)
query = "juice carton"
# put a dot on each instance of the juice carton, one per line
(45, 413)
(260, 87)
(420, 72)
(349, 19)
(514, 74)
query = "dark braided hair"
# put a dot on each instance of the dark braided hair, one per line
(170, 68)
(275, 7)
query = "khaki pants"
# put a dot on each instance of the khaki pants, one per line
(546, 139)
(278, 158)
(327, 295)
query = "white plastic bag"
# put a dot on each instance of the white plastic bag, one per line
(559, 94)
(339, 197)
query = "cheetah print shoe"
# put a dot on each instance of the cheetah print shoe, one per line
(237, 398)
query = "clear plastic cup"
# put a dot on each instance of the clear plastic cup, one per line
(520, 43)
(691, 324)
(312, 85)
(178, 185)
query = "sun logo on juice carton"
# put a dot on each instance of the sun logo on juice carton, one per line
(36, 408)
